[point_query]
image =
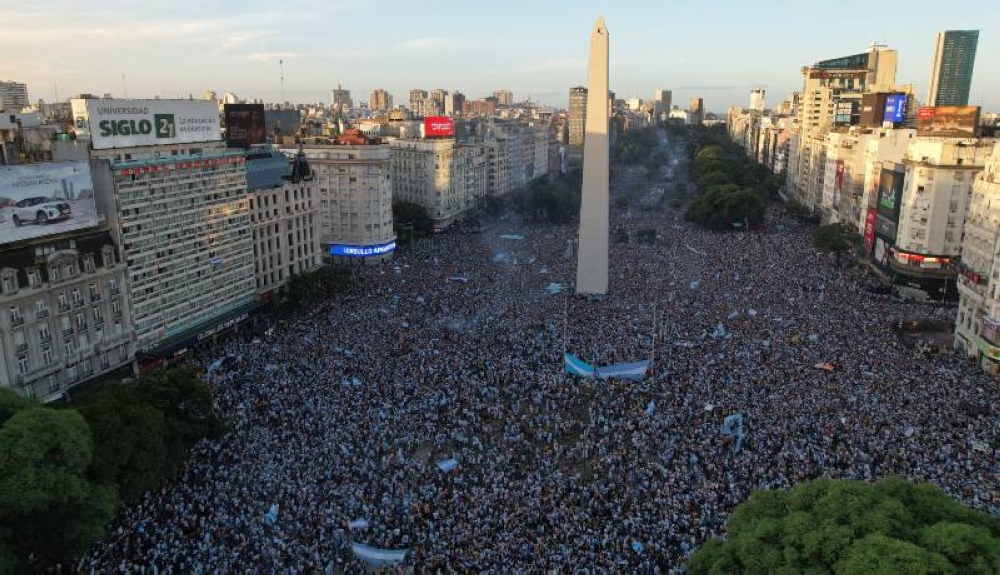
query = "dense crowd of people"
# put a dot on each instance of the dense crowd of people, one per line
(454, 351)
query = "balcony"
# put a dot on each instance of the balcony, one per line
(63, 306)
(16, 320)
(68, 331)
(77, 302)
(45, 337)
(21, 347)
(42, 314)
(95, 296)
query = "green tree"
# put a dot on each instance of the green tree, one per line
(48, 508)
(840, 527)
(186, 403)
(129, 440)
(835, 238)
(722, 206)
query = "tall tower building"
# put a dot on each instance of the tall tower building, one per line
(340, 100)
(418, 98)
(697, 109)
(757, 99)
(954, 58)
(662, 99)
(13, 96)
(380, 100)
(592, 254)
(577, 122)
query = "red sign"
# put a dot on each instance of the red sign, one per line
(840, 175)
(437, 126)
(926, 113)
(870, 230)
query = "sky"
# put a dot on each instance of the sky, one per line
(717, 50)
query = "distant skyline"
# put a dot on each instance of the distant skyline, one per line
(185, 47)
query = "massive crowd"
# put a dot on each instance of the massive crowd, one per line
(340, 414)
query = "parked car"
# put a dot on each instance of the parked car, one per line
(40, 210)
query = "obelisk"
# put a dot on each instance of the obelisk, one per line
(592, 254)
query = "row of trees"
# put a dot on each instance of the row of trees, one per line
(65, 470)
(735, 190)
(850, 527)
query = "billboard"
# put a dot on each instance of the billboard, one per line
(42, 199)
(872, 109)
(957, 121)
(895, 109)
(362, 251)
(437, 126)
(869, 230)
(846, 112)
(244, 125)
(890, 192)
(127, 123)
(282, 122)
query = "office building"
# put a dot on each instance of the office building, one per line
(442, 176)
(180, 212)
(340, 101)
(283, 219)
(577, 124)
(454, 103)
(977, 325)
(757, 102)
(13, 96)
(663, 100)
(380, 100)
(696, 108)
(353, 193)
(65, 316)
(418, 99)
(505, 98)
(954, 59)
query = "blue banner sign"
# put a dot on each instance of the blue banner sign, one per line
(362, 251)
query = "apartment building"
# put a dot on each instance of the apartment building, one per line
(443, 176)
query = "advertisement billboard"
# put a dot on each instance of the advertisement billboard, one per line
(890, 191)
(282, 122)
(956, 121)
(42, 199)
(244, 125)
(438, 126)
(126, 123)
(872, 109)
(895, 109)
(362, 251)
(846, 112)
(869, 230)
(840, 175)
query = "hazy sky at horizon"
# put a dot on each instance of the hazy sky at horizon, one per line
(538, 48)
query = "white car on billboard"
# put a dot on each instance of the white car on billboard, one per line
(40, 210)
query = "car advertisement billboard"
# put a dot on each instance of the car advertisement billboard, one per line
(438, 126)
(955, 121)
(43, 199)
(245, 125)
(127, 123)
(895, 109)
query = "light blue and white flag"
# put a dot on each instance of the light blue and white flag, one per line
(651, 408)
(635, 370)
(577, 366)
(447, 465)
(379, 557)
(357, 524)
(271, 517)
(732, 426)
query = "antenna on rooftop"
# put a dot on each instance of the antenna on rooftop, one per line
(281, 66)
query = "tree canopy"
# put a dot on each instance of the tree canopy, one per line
(838, 527)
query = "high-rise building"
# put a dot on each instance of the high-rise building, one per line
(340, 100)
(757, 102)
(577, 123)
(181, 214)
(13, 96)
(696, 108)
(954, 59)
(441, 175)
(662, 100)
(380, 100)
(418, 98)
(504, 98)
(454, 103)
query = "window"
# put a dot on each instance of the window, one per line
(54, 273)
(22, 364)
(9, 285)
(47, 355)
(63, 302)
(81, 321)
(67, 326)
(116, 309)
(69, 347)
(15, 315)
(73, 373)
(34, 278)
(19, 343)
(88, 262)
(94, 294)
(41, 309)
(98, 315)
(77, 298)
(113, 285)
(43, 332)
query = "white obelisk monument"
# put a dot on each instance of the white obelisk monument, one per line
(592, 254)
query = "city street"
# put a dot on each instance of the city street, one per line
(342, 417)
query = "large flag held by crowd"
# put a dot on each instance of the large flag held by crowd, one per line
(378, 557)
(732, 426)
(634, 370)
